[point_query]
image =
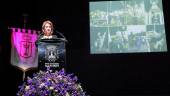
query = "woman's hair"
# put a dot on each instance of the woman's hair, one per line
(45, 22)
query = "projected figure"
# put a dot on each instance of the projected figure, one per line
(156, 13)
(160, 44)
(155, 19)
(119, 41)
(142, 44)
(100, 40)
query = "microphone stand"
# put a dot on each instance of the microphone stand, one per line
(64, 38)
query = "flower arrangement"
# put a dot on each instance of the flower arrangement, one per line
(48, 83)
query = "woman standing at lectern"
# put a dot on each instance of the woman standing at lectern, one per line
(47, 29)
(47, 32)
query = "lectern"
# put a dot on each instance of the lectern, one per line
(51, 53)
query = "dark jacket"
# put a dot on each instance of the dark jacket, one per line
(40, 38)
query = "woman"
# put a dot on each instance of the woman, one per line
(47, 29)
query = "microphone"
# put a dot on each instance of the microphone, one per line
(39, 33)
(64, 38)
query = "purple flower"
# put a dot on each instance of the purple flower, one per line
(45, 83)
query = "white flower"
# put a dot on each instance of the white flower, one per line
(60, 77)
(69, 83)
(56, 90)
(79, 86)
(56, 81)
(67, 94)
(51, 87)
(27, 87)
(41, 85)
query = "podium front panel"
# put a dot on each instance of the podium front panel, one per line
(51, 54)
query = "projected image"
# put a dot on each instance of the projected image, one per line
(127, 26)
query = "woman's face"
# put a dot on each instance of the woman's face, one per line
(47, 29)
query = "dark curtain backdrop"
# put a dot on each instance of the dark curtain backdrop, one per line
(101, 75)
